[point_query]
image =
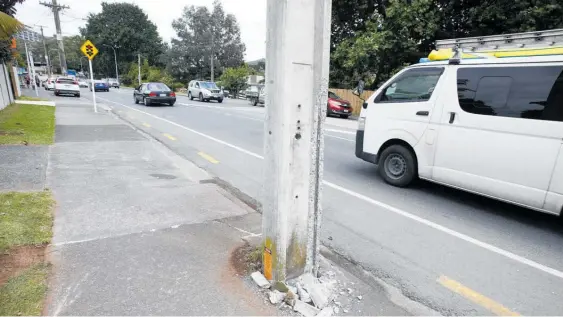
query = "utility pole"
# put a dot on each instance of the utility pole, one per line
(46, 52)
(297, 54)
(139, 61)
(212, 56)
(56, 8)
(115, 59)
(30, 68)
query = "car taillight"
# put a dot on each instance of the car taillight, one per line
(75, 83)
(152, 94)
(172, 94)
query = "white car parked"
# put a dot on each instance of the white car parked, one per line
(67, 86)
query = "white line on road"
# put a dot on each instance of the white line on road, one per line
(395, 210)
(340, 131)
(188, 129)
(262, 120)
(337, 137)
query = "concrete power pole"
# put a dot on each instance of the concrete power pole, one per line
(56, 9)
(212, 56)
(46, 53)
(297, 55)
(139, 60)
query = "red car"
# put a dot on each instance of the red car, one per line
(338, 106)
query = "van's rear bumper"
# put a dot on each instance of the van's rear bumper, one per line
(368, 157)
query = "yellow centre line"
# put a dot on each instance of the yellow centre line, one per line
(475, 297)
(147, 125)
(208, 157)
(169, 136)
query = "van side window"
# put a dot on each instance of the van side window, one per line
(534, 92)
(411, 86)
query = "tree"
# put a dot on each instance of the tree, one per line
(200, 34)
(234, 78)
(8, 26)
(127, 26)
(351, 16)
(9, 6)
(408, 31)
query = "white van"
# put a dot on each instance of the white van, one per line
(488, 126)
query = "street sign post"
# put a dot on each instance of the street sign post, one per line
(90, 50)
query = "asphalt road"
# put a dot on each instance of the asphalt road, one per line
(451, 251)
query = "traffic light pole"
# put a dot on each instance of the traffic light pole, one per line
(297, 54)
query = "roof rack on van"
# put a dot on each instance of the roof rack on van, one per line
(535, 43)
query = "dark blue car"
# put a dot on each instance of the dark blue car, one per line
(100, 85)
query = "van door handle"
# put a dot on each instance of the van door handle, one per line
(452, 117)
(422, 113)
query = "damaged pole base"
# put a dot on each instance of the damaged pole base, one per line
(307, 295)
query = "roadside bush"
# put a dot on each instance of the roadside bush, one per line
(177, 85)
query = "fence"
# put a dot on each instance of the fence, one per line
(355, 101)
(6, 95)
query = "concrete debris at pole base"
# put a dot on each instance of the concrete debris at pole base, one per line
(260, 280)
(305, 309)
(276, 296)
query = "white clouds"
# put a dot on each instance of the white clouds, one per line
(251, 15)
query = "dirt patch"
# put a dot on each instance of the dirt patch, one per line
(18, 259)
(246, 259)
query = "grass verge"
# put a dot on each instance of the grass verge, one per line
(32, 98)
(27, 124)
(25, 219)
(23, 295)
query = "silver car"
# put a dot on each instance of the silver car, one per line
(204, 91)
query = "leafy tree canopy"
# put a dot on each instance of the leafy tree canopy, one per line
(124, 25)
(8, 26)
(404, 32)
(234, 78)
(200, 34)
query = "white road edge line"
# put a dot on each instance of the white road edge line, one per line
(188, 129)
(340, 131)
(337, 137)
(395, 210)
(261, 120)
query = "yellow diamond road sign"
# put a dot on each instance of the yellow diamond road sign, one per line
(89, 49)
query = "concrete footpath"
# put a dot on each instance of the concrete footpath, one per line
(140, 230)
(136, 232)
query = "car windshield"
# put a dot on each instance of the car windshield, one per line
(333, 95)
(208, 85)
(158, 86)
(65, 80)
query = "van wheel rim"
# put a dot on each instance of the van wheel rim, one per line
(395, 166)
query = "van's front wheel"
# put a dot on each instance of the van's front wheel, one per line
(397, 165)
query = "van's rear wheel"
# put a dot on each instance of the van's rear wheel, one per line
(397, 165)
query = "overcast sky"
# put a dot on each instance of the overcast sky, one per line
(250, 14)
